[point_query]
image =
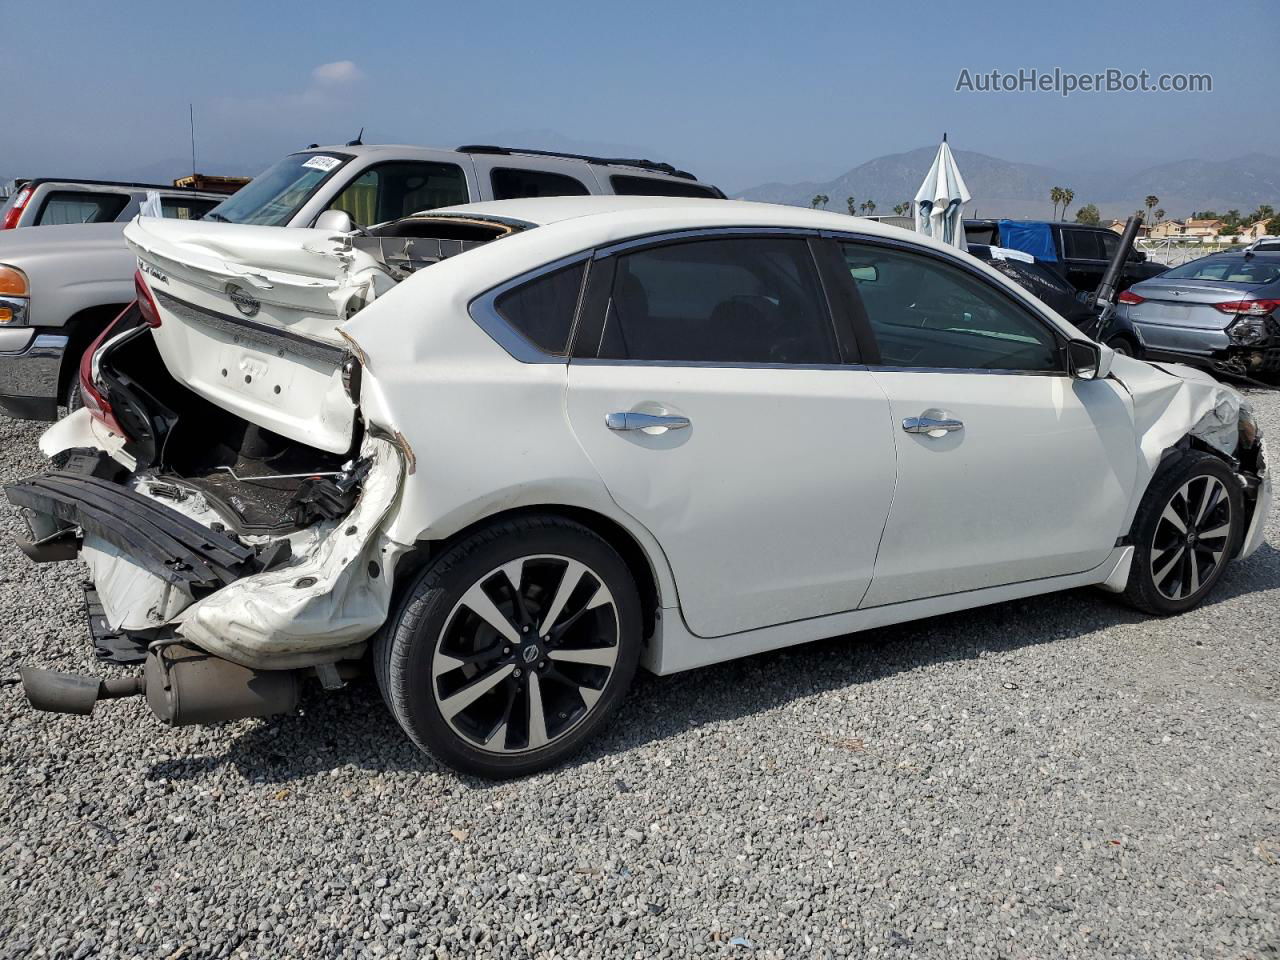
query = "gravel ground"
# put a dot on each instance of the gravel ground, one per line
(1057, 777)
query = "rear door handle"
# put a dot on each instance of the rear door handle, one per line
(933, 426)
(644, 421)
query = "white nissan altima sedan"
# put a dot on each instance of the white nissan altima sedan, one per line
(511, 451)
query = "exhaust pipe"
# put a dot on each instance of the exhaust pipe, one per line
(183, 686)
(73, 692)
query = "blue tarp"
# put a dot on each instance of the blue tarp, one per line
(1029, 236)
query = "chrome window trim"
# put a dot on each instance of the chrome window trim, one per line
(697, 233)
(893, 243)
(719, 364)
(484, 312)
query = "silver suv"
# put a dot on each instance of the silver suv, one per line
(61, 286)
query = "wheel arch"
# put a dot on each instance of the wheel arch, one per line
(82, 327)
(639, 552)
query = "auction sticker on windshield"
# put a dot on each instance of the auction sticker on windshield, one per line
(321, 162)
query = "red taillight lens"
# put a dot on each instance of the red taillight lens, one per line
(1130, 297)
(1248, 308)
(146, 303)
(92, 397)
(15, 212)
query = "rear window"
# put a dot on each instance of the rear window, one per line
(542, 309)
(75, 206)
(629, 186)
(1240, 269)
(512, 184)
(180, 208)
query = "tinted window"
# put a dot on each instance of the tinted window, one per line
(1110, 244)
(743, 300)
(511, 184)
(927, 313)
(75, 206)
(390, 191)
(627, 186)
(1234, 269)
(542, 309)
(183, 209)
(1081, 245)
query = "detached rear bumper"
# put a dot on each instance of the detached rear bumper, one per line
(30, 372)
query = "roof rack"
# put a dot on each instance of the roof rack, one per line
(653, 165)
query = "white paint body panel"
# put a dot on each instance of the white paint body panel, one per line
(986, 505)
(770, 506)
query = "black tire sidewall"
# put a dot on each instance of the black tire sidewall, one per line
(424, 615)
(1142, 590)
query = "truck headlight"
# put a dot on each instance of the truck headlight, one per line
(15, 294)
(1247, 330)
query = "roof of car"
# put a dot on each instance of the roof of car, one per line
(603, 218)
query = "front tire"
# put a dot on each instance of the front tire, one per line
(1123, 346)
(513, 647)
(1188, 527)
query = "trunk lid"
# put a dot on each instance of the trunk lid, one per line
(249, 318)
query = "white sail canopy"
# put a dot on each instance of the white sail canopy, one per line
(939, 204)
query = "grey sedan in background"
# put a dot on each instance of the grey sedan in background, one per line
(1221, 311)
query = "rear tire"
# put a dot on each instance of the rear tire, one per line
(513, 647)
(1187, 529)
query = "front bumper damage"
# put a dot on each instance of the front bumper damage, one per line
(228, 621)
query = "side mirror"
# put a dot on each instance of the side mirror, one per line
(339, 221)
(1089, 360)
(1138, 255)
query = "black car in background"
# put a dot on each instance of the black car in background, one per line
(1079, 253)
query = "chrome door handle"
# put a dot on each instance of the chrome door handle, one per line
(933, 426)
(644, 421)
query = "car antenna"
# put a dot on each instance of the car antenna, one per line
(358, 141)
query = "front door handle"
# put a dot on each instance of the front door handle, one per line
(644, 421)
(933, 423)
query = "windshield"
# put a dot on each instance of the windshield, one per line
(274, 196)
(1255, 270)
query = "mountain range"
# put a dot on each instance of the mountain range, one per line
(1003, 188)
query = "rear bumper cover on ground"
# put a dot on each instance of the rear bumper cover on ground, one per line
(30, 372)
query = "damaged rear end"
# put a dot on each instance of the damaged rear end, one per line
(219, 482)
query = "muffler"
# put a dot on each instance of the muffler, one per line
(183, 686)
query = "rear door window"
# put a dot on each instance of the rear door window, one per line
(510, 183)
(389, 191)
(1081, 245)
(629, 186)
(76, 206)
(731, 300)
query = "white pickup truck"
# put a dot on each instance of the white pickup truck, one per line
(61, 285)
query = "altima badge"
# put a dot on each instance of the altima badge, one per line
(247, 305)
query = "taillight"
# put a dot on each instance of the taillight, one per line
(146, 303)
(14, 213)
(94, 401)
(1248, 308)
(1130, 297)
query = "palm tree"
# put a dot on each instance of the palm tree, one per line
(1159, 214)
(849, 202)
(1055, 194)
(871, 206)
(1151, 201)
(901, 208)
(817, 199)
(1067, 196)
